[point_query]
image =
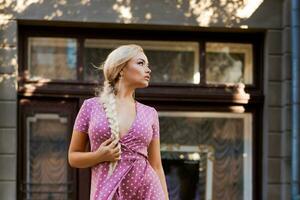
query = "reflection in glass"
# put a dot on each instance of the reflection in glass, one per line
(229, 135)
(170, 62)
(229, 63)
(52, 58)
(47, 167)
(188, 171)
(94, 56)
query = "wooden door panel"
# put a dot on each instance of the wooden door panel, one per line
(44, 137)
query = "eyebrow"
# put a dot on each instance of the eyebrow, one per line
(142, 60)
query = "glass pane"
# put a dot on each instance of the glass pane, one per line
(47, 167)
(170, 62)
(229, 63)
(52, 58)
(207, 155)
(94, 57)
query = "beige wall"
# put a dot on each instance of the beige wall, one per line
(272, 15)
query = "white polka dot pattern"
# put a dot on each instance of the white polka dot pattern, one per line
(133, 178)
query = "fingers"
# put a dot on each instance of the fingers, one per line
(106, 142)
(116, 152)
(118, 158)
(113, 143)
(114, 148)
(117, 149)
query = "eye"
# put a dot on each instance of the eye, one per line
(141, 63)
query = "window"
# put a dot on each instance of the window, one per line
(176, 58)
(214, 154)
(229, 63)
(171, 62)
(52, 58)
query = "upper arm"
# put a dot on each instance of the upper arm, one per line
(79, 137)
(154, 155)
(78, 142)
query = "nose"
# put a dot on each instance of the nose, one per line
(148, 70)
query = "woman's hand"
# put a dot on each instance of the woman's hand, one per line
(109, 150)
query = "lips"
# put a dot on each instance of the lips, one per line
(147, 77)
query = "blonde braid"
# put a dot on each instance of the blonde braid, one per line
(108, 99)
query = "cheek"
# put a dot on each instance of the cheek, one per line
(134, 73)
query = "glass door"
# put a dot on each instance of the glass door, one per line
(45, 132)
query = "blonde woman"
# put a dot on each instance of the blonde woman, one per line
(124, 134)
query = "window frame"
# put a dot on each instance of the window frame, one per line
(207, 92)
(29, 106)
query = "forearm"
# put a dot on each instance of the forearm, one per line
(161, 175)
(83, 159)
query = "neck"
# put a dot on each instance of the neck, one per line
(125, 93)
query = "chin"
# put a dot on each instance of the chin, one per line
(143, 85)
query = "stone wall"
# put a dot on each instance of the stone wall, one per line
(279, 109)
(8, 106)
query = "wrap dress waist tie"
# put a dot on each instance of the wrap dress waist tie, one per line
(128, 159)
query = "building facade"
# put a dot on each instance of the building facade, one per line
(235, 138)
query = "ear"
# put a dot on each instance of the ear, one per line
(121, 72)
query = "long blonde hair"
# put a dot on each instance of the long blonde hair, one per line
(112, 66)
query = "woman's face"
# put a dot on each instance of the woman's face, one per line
(136, 74)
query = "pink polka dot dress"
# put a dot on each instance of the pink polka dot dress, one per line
(133, 177)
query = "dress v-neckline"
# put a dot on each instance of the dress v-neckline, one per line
(131, 127)
(133, 123)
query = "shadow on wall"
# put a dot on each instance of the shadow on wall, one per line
(228, 13)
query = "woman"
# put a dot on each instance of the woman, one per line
(123, 133)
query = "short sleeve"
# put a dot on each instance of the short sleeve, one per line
(81, 123)
(155, 125)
